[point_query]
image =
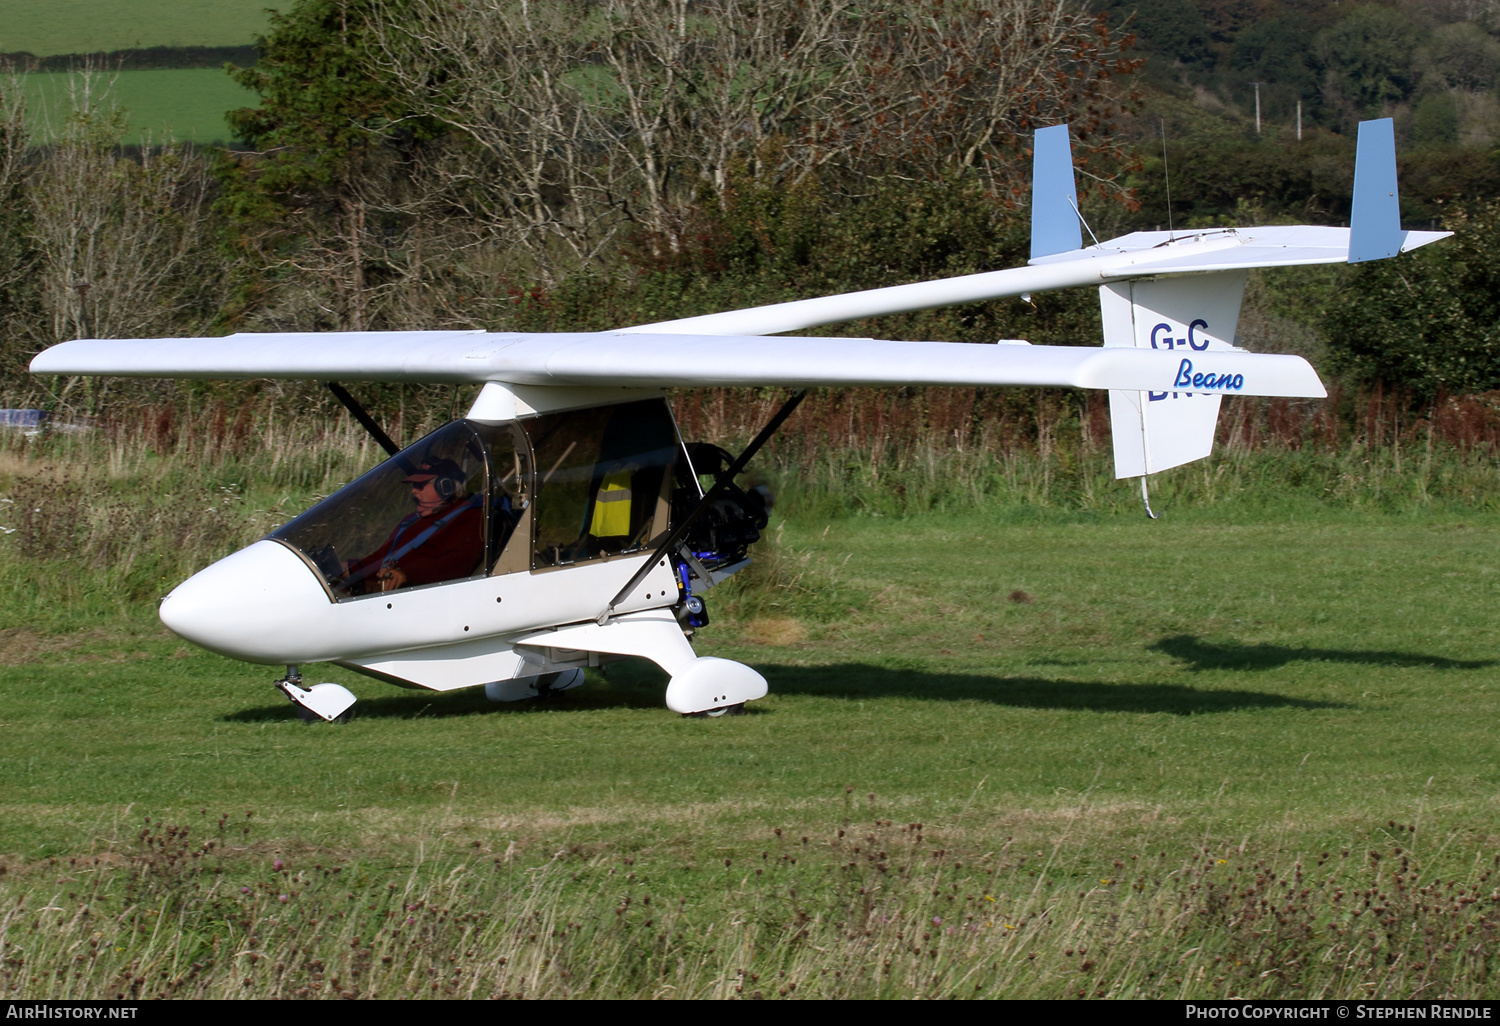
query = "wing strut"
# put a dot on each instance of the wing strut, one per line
(720, 485)
(366, 421)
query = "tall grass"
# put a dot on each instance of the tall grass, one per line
(904, 453)
(861, 908)
(134, 502)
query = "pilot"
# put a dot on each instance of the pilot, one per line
(441, 540)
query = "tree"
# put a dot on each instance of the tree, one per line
(329, 201)
(1370, 60)
(18, 307)
(1465, 56)
(425, 162)
(122, 244)
(1280, 55)
(625, 116)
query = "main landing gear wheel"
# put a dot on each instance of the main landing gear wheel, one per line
(553, 685)
(713, 714)
(540, 686)
(710, 686)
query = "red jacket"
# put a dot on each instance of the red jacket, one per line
(451, 550)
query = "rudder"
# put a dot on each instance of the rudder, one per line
(1153, 431)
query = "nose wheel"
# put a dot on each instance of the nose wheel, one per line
(332, 703)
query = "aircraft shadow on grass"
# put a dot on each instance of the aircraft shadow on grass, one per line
(854, 681)
(640, 688)
(415, 705)
(1202, 655)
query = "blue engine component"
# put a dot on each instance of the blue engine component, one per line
(692, 610)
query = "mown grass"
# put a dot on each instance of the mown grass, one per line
(1242, 752)
(48, 27)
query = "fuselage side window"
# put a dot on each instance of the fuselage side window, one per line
(602, 480)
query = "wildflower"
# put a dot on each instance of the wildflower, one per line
(284, 897)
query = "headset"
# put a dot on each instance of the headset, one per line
(447, 477)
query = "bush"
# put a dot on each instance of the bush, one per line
(1428, 324)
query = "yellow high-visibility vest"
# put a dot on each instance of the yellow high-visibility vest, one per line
(612, 506)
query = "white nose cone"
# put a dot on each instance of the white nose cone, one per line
(262, 605)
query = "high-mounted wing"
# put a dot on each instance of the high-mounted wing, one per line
(1170, 304)
(1137, 255)
(673, 360)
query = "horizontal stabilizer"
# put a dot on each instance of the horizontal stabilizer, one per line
(1137, 255)
(640, 360)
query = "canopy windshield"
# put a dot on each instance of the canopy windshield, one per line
(459, 503)
(440, 510)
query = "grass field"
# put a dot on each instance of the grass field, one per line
(1041, 753)
(47, 27)
(183, 104)
(1295, 704)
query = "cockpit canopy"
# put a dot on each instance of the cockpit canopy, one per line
(477, 498)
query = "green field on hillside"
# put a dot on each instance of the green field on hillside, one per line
(185, 104)
(47, 27)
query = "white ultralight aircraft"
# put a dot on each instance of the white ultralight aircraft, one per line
(562, 523)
